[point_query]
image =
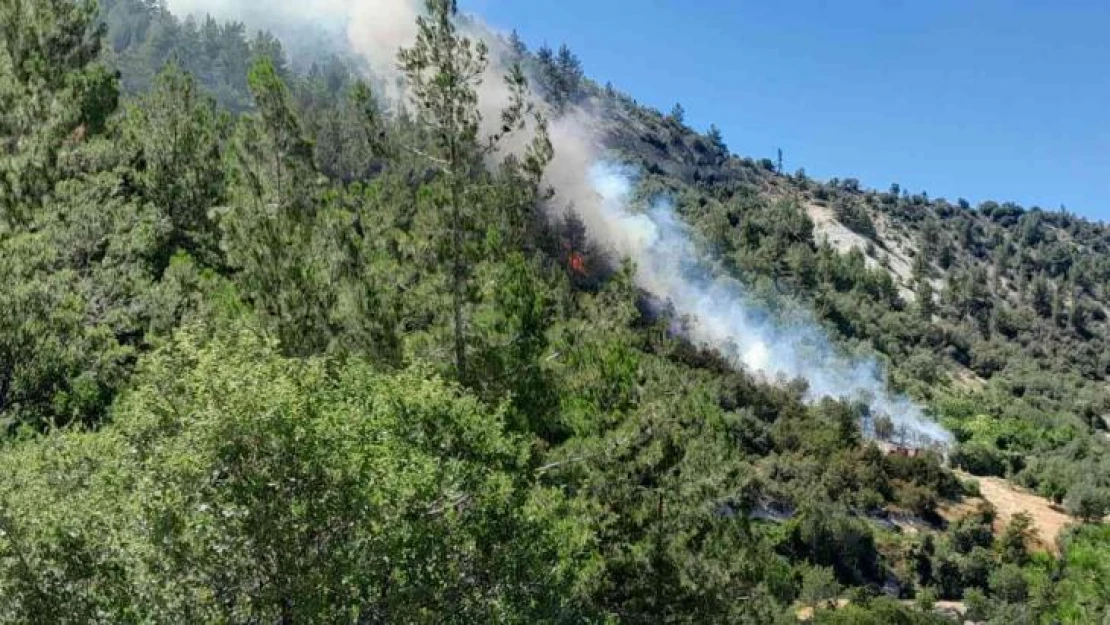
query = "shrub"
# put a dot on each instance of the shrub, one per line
(1008, 584)
(979, 459)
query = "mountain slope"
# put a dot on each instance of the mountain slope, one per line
(997, 314)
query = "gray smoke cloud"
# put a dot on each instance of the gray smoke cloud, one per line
(716, 311)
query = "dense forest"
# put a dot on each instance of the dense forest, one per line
(272, 351)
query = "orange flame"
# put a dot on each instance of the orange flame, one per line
(577, 263)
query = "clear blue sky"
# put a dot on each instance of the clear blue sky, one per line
(981, 99)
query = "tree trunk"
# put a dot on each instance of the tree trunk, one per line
(458, 277)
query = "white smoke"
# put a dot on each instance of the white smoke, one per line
(311, 11)
(719, 315)
(309, 31)
(716, 310)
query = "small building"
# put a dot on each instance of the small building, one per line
(895, 449)
(906, 452)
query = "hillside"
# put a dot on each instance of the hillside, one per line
(273, 350)
(996, 315)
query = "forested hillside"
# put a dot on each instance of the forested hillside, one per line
(272, 351)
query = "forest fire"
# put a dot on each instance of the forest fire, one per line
(577, 263)
(575, 260)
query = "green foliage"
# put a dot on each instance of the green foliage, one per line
(1088, 501)
(1084, 595)
(177, 134)
(269, 227)
(979, 459)
(50, 91)
(1014, 541)
(978, 606)
(856, 218)
(560, 75)
(236, 484)
(1008, 584)
(444, 69)
(144, 37)
(826, 538)
(819, 586)
(878, 612)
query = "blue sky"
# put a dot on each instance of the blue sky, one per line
(981, 99)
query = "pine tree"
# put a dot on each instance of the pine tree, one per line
(980, 303)
(1079, 316)
(678, 113)
(923, 288)
(967, 234)
(549, 77)
(177, 133)
(444, 70)
(517, 45)
(1040, 297)
(930, 235)
(52, 93)
(945, 256)
(265, 45)
(571, 73)
(717, 140)
(1059, 307)
(268, 227)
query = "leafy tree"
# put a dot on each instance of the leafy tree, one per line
(819, 586)
(239, 485)
(948, 576)
(1087, 501)
(835, 541)
(1008, 584)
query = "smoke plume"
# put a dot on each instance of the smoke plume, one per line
(307, 30)
(718, 314)
(715, 309)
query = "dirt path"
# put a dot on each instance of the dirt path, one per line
(1009, 500)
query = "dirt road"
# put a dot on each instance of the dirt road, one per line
(1009, 500)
